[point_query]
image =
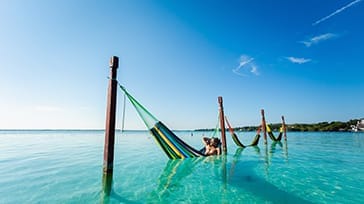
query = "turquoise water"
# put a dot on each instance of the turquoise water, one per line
(66, 167)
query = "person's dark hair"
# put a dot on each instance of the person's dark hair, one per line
(215, 141)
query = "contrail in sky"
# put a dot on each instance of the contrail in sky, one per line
(336, 12)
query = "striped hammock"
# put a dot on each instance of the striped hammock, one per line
(172, 146)
(236, 139)
(271, 135)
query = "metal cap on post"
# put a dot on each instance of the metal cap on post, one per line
(222, 124)
(264, 127)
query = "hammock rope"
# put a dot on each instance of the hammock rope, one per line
(216, 130)
(172, 146)
(236, 139)
(123, 117)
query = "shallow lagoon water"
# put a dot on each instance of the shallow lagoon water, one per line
(66, 167)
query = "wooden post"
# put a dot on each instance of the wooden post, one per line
(222, 125)
(110, 118)
(284, 128)
(106, 184)
(264, 127)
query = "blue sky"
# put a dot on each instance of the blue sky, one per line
(300, 59)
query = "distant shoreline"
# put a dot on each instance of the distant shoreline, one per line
(334, 126)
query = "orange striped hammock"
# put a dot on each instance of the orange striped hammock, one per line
(236, 139)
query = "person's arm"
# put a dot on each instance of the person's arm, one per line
(218, 151)
(205, 141)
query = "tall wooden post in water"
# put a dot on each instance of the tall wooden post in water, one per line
(284, 128)
(110, 118)
(264, 126)
(222, 125)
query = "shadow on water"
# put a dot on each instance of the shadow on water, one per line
(238, 174)
(283, 146)
(237, 157)
(108, 193)
(169, 180)
(243, 176)
(273, 146)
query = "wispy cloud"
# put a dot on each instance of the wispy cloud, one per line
(297, 60)
(246, 66)
(254, 70)
(47, 108)
(336, 12)
(317, 39)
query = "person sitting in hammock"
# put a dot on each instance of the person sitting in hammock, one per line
(212, 146)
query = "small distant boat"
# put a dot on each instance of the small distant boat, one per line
(359, 126)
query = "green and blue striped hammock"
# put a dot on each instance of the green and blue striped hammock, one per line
(173, 146)
(236, 139)
(271, 135)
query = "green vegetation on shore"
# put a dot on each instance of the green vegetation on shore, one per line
(334, 126)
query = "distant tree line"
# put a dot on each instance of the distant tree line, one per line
(324, 126)
(334, 126)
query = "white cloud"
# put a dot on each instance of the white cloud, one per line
(239, 73)
(297, 60)
(254, 70)
(336, 12)
(318, 39)
(47, 108)
(244, 59)
(246, 63)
